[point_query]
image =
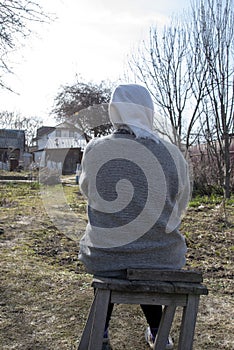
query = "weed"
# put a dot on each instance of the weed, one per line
(46, 293)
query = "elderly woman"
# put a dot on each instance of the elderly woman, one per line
(137, 187)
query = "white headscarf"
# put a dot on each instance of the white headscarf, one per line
(131, 105)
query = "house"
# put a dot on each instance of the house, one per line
(59, 147)
(12, 147)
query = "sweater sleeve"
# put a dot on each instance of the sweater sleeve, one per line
(83, 180)
(185, 192)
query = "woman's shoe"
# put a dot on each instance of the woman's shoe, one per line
(150, 339)
(106, 344)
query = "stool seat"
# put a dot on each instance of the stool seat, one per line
(170, 288)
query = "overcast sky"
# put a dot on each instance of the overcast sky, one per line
(91, 38)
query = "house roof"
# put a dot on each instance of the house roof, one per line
(67, 125)
(44, 130)
(11, 138)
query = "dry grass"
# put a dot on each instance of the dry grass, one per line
(46, 294)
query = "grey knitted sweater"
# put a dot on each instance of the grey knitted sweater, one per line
(137, 190)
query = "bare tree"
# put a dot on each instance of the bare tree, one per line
(11, 120)
(15, 18)
(214, 28)
(188, 68)
(85, 105)
(165, 65)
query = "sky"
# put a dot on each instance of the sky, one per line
(91, 38)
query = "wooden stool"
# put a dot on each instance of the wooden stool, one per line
(170, 288)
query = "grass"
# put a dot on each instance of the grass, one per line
(46, 293)
(211, 200)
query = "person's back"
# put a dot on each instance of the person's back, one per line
(143, 231)
(137, 187)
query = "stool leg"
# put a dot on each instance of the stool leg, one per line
(164, 327)
(84, 341)
(99, 319)
(188, 323)
(92, 336)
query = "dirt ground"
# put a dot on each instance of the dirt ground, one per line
(45, 293)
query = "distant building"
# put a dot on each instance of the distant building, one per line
(203, 159)
(12, 147)
(59, 147)
(201, 151)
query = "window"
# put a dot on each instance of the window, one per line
(58, 133)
